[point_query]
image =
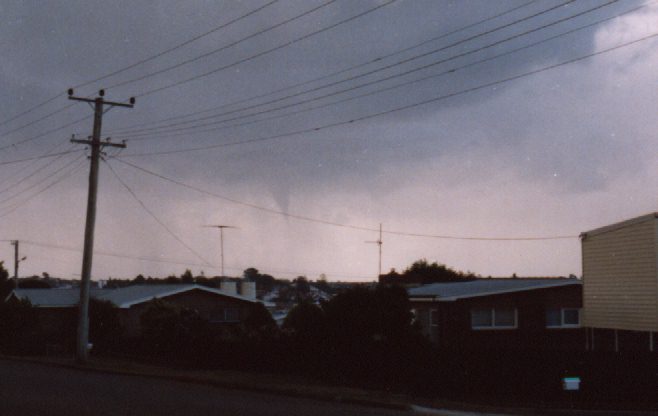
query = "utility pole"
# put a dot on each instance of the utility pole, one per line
(221, 243)
(82, 350)
(379, 242)
(16, 262)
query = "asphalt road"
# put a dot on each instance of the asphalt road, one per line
(35, 389)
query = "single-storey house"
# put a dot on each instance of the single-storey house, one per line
(57, 307)
(502, 313)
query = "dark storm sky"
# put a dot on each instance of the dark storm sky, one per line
(455, 153)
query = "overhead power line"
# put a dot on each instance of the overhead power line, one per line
(40, 135)
(152, 214)
(113, 254)
(390, 88)
(377, 59)
(177, 46)
(31, 109)
(252, 57)
(181, 262)
(7, 133)
(401, 108)
(42, 180)
(18, 172)
(64, 175)
(123, 69)
(32, 174)
(215, 51)
(154, 130)
(373, 71)
(11, 162)
(336, 224)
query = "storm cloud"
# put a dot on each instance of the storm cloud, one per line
(552, 153)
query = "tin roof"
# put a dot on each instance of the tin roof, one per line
(122, 297)
(484, 287)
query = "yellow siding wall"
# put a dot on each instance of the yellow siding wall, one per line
(620, 276)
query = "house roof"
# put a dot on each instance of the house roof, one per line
(49, 298)
(122, 297)
(446, 292)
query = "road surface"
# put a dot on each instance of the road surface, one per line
(35, 389)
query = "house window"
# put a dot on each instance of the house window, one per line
(563, 318)
(493, 318)
(225, 315)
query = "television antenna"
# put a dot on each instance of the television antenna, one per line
(379, 242)
(221, 242)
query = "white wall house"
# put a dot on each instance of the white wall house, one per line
(620, 277)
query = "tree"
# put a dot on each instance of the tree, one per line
(259, 318)
(204, 281)
(187, 277)
(168, 329)
(138, 280)
(284, 294)
(160, 326)
(5, 283)
(4, 274)
(322, 284)
(305, 321)
(423, 272)
(250, 274)
(361, 316)
(365, 328)
(117, 283)
(264, 282)
(19, 327)
(302, 287)
(304, 334)
(172, 280)
(105, 329)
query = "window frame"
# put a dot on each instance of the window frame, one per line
(494, 326)
(562, 324)
(225, 315)
(231, 315)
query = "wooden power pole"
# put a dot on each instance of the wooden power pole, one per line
(16, 262)
(82, 349)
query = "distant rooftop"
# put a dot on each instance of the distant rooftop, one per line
(484, 287)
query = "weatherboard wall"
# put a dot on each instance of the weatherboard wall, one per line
(453, 329)
(620, 275)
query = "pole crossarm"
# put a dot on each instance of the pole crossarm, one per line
(102, 144)
(101, 93)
